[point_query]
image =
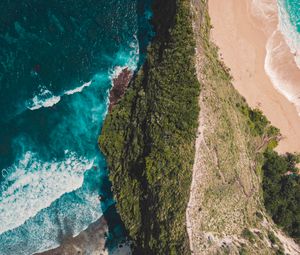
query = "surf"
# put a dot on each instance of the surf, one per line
(52, 172)
(289, 24)
(39, 182)
(46, 98)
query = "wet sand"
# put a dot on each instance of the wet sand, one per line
(261, 63)
(95, 239)
(91, 241)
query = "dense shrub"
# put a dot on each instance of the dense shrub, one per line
(281, 186)
(257, 121)
(148, 138)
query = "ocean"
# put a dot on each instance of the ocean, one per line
(57, 61)
(282, 61)
(289, 14)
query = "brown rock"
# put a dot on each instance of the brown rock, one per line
(120, 84)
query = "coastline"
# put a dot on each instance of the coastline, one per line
(254, 35)
(91, 240)
(225, 198)
(97, 239)
(157, 115)
(94, 239)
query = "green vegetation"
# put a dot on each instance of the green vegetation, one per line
(243, 251)
(281, 186)
(281, 181)
(247, 234)
(273, 239)
(257, 122)
(148, 138)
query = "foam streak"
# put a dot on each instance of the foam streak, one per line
(33, 185)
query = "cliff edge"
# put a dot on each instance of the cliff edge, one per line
(225, 213)
(186, 163)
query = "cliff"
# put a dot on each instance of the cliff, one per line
(186, 167)
(148, 138)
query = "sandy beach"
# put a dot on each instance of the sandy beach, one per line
(263, 67)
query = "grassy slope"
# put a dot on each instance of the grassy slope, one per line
(148, 138)
(229, 203)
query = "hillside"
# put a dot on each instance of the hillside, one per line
(148, 138)
(226, 214)
(149, 141)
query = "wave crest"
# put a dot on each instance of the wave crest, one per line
(291, 35)
(32, 185)
(79, 89)
(47, 99)
(44, 99)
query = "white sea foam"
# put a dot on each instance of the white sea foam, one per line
(126, 59)
(277, 65)
(33, 185)
(44, 99)
(134, 54)
(79, 89)
(291, 35)
(60, 219)
(281, 82)
(116, 72)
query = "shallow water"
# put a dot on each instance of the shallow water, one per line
(57, 59)
(293, 8)
(289, 15)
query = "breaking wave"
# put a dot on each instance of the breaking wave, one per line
(289, 23)
(79, 89)
(46, 98)
(39, 182)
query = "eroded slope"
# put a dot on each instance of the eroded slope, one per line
(225, 214)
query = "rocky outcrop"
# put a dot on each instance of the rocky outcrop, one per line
(120, 84)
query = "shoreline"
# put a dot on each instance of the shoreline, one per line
(94, 239)
(120, 83)
(252, 46)
(225, 189)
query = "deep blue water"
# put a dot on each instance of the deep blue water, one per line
(56, 62)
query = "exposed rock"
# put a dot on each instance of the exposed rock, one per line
(120, 84)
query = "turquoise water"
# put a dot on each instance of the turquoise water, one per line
(57, 59)
(293, 9)
(289, 15)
